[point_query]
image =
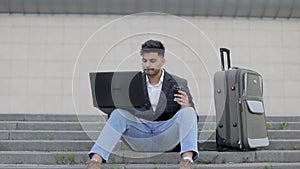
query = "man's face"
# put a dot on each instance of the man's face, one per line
(152, 63)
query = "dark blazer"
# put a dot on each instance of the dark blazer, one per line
(166, 107)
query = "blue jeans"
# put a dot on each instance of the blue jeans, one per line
(144, 135)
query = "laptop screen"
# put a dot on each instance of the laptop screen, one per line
(117, 89)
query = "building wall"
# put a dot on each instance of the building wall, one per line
(45, 59)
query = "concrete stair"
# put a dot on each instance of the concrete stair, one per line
(32, 141)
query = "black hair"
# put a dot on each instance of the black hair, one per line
(153, 46)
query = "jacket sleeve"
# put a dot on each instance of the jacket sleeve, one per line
(187, 90)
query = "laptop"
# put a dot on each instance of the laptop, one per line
(123, 89)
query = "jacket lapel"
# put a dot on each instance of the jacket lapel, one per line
(147, 99)
(166, 87)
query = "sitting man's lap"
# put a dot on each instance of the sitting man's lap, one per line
(144, 135)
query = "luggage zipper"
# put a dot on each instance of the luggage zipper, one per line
(239, 96)
(240, 144)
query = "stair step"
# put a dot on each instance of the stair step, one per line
(67, 117)
(88, 135)
(129, 157)
(277, 144)
(47, 135)
(37, 125)
(49, 125)
(160, 166)
(45, 145)
(284, 134)
(96, 117)
(272, 134)
(250, 156)
(54, 141)
(52, 117)
(43, 157)
(283, 118)
(283, 125)
(82, 145)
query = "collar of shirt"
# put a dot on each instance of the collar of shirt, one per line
(161, 79)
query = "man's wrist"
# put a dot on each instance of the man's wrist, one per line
(183, 106)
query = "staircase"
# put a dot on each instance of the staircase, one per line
(30, 141)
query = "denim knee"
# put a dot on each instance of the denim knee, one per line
(120, 113)
(188, 112)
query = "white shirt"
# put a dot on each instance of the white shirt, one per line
(154, 90)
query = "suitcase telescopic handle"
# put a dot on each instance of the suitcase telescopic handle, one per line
(227, 51)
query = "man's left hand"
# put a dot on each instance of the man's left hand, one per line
(182, 99)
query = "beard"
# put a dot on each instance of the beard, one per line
(152, 72)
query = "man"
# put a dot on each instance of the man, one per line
(169, 120)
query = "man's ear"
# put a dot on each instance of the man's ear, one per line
(163, 60)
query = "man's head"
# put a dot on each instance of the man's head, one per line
(153, 46)
(152, 52)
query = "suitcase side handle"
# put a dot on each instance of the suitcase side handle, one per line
(227, 51)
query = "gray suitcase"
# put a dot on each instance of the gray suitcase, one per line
(240, 113)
